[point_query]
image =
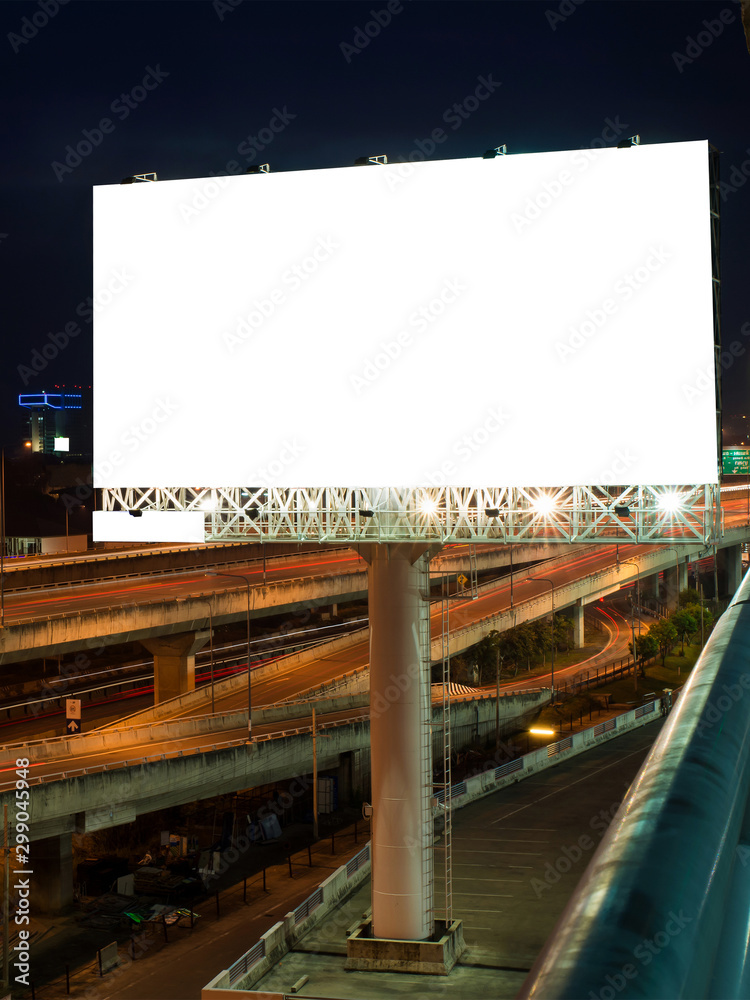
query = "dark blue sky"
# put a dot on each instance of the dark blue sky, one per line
(218, 73)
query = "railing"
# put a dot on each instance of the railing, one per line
(662, 909)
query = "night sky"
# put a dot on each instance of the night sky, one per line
(185, 86)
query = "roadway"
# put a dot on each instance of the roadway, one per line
(277, 687)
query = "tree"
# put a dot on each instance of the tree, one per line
(708, 619)
(688, 596)
(486, 652)
(665, 634)
(646, 646)
(563, 628)
(685, 624)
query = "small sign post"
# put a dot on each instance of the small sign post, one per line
(72, 716)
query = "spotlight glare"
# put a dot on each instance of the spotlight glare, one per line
(428, 506)
(543, 504)
(669, 502)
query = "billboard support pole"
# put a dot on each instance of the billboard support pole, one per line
(401, 745)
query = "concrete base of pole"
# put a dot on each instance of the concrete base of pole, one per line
(433, 957)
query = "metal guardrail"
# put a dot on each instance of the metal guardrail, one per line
(359, 859)
(662, 909)
(247, 961)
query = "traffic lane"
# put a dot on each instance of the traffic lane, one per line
(290, 682)
(90, 596)
(518, 854)
(135, 753)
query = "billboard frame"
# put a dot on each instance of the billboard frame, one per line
(636, 514)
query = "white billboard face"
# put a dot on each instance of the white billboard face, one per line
(531, 320)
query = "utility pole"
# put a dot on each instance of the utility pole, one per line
(497, 700)
(315, 778)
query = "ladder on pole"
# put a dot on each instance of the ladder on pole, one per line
(444, 786)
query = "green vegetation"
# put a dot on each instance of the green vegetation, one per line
(689, 622)
(523, 647)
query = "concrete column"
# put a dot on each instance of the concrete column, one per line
(174, 663)
(400, 707)
(52, 881)
(578, 627)
(675, 580)
(730, 569)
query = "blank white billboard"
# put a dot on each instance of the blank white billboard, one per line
(150, 526)
(529, 320)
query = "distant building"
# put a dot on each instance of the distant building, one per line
(58, 423)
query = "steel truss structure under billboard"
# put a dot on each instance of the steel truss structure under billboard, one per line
(636, 514)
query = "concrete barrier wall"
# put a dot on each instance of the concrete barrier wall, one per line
(284, 934)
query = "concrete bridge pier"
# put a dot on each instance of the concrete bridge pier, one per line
(675, 580)
(578, 623)
(403, 916)
(729, 569)
(52, 879)
(174, 663)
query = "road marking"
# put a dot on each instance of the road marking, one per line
(502, 840)
(465, 878)
(464, 910)
(529, 854)
(531, 829)
(564, 788)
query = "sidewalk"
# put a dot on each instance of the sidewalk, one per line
(179, 968)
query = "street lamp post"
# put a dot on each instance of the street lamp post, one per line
(211, 648)
(632, 613)
(543, 579)
(241, 576)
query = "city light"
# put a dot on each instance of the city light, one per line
(427, 506)
(542, 732)
(669, 502)
(544, 504)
